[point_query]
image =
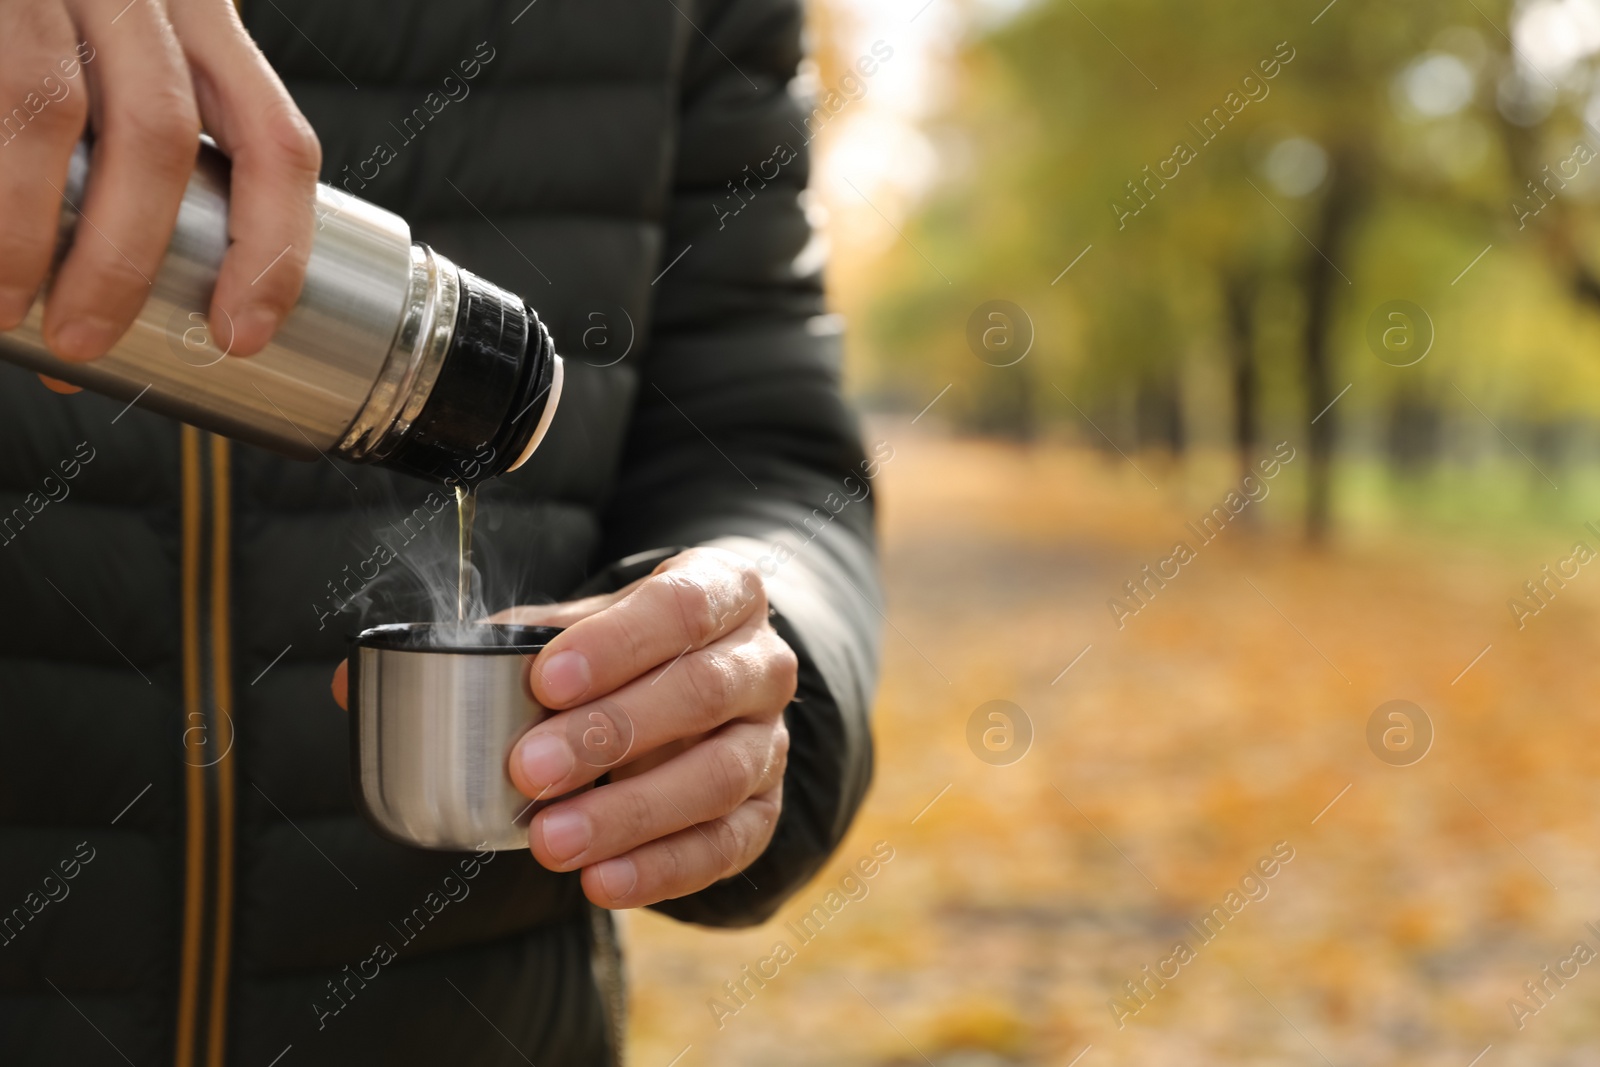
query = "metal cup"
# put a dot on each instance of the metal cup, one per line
(435, 709)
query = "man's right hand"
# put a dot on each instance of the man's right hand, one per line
(148, 76)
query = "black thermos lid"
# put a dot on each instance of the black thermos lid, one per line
(491, 391)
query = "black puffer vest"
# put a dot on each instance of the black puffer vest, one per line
(183, 878)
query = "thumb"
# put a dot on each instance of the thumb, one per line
(564, 613)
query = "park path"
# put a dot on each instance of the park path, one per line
(1225, 720)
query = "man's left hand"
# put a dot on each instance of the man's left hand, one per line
(675, 686)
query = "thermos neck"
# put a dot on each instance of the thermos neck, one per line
(469, 385)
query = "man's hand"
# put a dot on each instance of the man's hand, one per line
(145, 77)
(676, 686)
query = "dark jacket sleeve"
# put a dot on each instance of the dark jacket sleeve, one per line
(741, 437)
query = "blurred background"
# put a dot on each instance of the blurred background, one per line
(1240, 367)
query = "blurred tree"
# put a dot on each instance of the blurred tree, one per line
(1245, 184)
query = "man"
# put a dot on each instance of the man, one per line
(184, 879)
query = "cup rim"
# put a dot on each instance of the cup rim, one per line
(421, 637)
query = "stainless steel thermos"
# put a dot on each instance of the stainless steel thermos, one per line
(434, 711)
(393, 355)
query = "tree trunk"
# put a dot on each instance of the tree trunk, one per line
(1158, 414)
(1552, 210)
(1239, 293)
(1323, 282)
(1415, 431)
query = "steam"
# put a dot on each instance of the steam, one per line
(412, 570)
(435, 578)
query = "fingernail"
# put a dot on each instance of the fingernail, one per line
(253, 329)
(566, 834)
(617, 877)
(565, 676)
(546, 759)
(84, 339)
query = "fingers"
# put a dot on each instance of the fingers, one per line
(41, 120)
(705, 783)
(341, 684)
(56, 385)
(687, 861)
(750, 674)
(276, 159)
(147, 130)
(691, 600)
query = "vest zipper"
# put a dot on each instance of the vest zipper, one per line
(194, 751)
(208, 753)
(221, 745)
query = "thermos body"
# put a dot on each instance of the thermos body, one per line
(433, 722)
(356, 362)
